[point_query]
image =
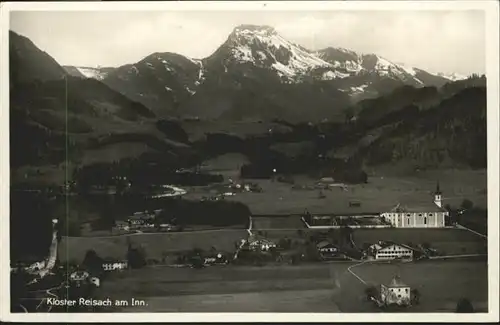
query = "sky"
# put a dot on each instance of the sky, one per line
(436, 41)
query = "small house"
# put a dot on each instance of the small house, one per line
(114, 266)
(78, 278)
(261, 244)
(121, 225)
(327, 249)
(216, 259)
(165, 227)
(396, 292)
(141, 219)
(95, 281)
(354, 204)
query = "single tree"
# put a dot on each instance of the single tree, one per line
(415, 296)
(371, 292)
(467, 204)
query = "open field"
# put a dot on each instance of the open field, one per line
(277, 222)
(441, 284)
(155, 245)
(231, 288)
(197, 129)
(379, 194)
(322, 287)
(230, 162)
(447, 241)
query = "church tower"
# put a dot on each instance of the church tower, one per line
(437, 196)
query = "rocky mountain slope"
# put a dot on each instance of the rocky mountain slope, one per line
(29, 63)
(85, 120)
(451, 134)
(256, 73)
(420, 127)
(54, 117)
(160, 81)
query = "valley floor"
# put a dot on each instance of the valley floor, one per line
(379, 194)
(326, 287)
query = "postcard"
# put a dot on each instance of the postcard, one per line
(249, 161)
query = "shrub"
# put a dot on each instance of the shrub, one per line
(371, 292)
(467, 204)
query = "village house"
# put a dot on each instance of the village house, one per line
(79, 277)
(327, 250)
(141, 219)
(262, 244)
(216, 259)
(423, 215)
(114, 266)
(121, 225)
(95, 281)
(396, 292)
(389, 251)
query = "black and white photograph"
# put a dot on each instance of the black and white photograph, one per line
(280, 158)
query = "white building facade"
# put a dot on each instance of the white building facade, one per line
(393, 251)
(395, 292)
(426, 215)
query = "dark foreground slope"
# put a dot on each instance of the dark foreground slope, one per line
(56, 118)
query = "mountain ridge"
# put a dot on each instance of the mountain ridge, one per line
(55, 116)
(260, 56)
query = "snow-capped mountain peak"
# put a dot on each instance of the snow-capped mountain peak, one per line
(92, 72)
(452, 76)
(264, 47)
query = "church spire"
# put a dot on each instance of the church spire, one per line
(437, 196)
(438, 190)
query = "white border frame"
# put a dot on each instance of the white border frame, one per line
(490, 8)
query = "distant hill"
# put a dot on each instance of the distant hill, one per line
(161, 81)
(56, 114)
(420, 127)
(54, 117)
(452, 133)
(29, 63)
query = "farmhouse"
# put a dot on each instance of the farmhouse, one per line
(79, 277)
(141, 219)
(121, 225)
(327, 249)
(396, 292)
(215, 259)
(390, 250)
(114, 266)
(424, 215)
(260, 244)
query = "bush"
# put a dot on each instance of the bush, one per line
(415, 296)
(93, 262)
(136, 258)
(371, 292)
(467, 204)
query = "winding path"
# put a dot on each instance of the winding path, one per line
(349, 269)
(50, 293)
(472, 231)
